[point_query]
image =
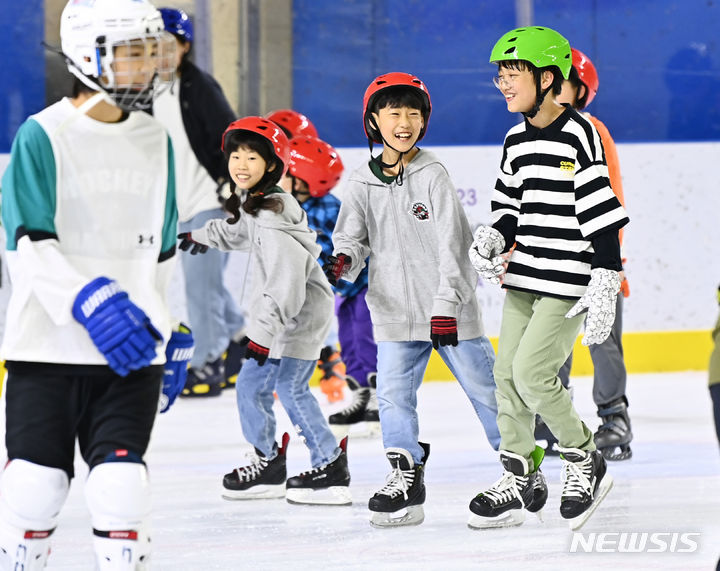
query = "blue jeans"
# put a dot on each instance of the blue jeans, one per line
(289, 377)
(213, 314)
(401, 367)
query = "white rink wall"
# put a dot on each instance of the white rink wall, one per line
(672, 243)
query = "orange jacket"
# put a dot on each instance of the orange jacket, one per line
(613, 164)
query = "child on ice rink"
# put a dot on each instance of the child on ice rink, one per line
(289, 317)
(553, 201)
(402, 210)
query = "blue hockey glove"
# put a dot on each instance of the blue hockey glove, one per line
(119, 329)
(178, 353)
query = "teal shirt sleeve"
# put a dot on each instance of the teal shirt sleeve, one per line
(169, 232)
(29, 184)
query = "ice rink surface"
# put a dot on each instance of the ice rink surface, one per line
(670, 486)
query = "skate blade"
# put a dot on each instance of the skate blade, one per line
(354, 431)
(605, 486)
(264, 492)
(617, 453)
(332, 496)
(510, 518)
(411, 515)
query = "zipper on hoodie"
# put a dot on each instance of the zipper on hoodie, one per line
(402, 260)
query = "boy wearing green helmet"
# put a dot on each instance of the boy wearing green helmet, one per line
(554, 210)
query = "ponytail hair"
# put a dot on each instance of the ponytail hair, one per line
(256, 198)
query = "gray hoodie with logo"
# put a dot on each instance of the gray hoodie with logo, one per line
(417, 237)
(291, 304)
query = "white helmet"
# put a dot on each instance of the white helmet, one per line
(92, 30)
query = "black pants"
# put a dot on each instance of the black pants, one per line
(49, 405)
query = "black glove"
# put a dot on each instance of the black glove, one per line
(186, 241)
(335, 267)
(255, 351)
(443, 331)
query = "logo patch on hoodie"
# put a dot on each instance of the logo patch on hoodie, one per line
(420, 211)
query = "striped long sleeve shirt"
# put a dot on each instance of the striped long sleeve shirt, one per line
(552, 199)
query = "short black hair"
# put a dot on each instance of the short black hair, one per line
(523, 65)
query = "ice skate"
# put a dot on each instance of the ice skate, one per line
(327, 485)
(260, 479)
(400, 501)
(372, 416)
(205, 381)
(586, 485)
(234, 358)
(505, 502)
(352, 420)
(614, 435)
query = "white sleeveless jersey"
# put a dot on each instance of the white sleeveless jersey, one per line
(83, 199)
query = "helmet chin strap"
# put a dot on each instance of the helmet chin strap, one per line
(383, 165)
(539, 98)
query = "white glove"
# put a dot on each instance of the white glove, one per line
(485, 252)
(599, 299)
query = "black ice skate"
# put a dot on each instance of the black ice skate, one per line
(354, 413)
(545, 437)
(327, 485)
(205, 381)
(400, 501)
(586, 485)
(260, 479)
(615, 434)
(503, 504)
(234, 359)
(372, 416)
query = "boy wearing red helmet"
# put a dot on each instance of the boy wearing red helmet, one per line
(292, 307)
(614, 435)
(553, 206)
(401, 209)
(315, 168)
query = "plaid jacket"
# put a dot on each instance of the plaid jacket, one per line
(322, 214)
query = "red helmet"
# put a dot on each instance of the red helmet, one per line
(587, 73)
(296, 123)
(315, 162)
(267, 129)
(393, 79)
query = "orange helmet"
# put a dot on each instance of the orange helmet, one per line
(316, 162)
(293, 122)
(267, 129)
(586, 72)
(393, 79)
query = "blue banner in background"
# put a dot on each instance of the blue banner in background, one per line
(658, 63)
(22, 73)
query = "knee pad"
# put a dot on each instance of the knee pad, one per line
(118, 497)
(31, 497)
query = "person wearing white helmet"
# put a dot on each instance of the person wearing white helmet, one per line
(88, 205)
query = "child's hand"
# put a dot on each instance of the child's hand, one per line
(443, 331)
(599, 299)
(335, 267)
(485, 254)
(186, 241)
(257, 352)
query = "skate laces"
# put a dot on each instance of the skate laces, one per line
(506, 488)
(397, 483)
(577, 478)
(253, 470)
(359, 401)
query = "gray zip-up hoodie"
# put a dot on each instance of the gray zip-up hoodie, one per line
(291, 304)
(417, 237)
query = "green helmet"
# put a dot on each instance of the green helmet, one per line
(540, 46)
